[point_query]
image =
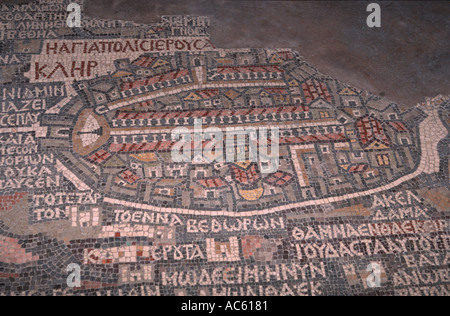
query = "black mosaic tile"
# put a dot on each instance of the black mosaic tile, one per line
(292, 183)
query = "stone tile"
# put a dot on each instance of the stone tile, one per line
(152, 162)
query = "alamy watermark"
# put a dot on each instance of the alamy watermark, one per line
(250, 144)
(74, 17)
(374, 19)
(374, 279)
(74, 278)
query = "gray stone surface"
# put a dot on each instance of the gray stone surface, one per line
(406, 60)
(356, 188)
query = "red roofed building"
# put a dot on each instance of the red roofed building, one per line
(212, 183)
(403, 133)
(399, 127)
(279, 179)
(99, 157)
(144, 61)
(372, 134)
(276, 90)
(247, 175)
(248, 69)
(173, 75)
(208, 93)
(139, 115)
(314, 90)
(129, 176)
(358, 168)
(9, 201)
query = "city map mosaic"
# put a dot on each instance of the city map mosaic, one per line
(292, 183)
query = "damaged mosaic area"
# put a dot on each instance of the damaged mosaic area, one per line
(87, 177)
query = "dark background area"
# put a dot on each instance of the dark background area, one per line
(407, 59)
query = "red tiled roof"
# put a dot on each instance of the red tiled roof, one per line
(99, 157)
(248, 69)
(129, 176)
(276, 90)
(8, 201)
(129, 115)
(141, 147)
(246, 177)
(399, 126)
(164, 146)
(152, 80)
(208, 93)
(145, 104)
(144, 61)
(211, 183)
(279, 178)
(358, 168)
(370, 129)
(316, 90)
(313, 139)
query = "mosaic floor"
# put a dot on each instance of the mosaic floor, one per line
(287, 182)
